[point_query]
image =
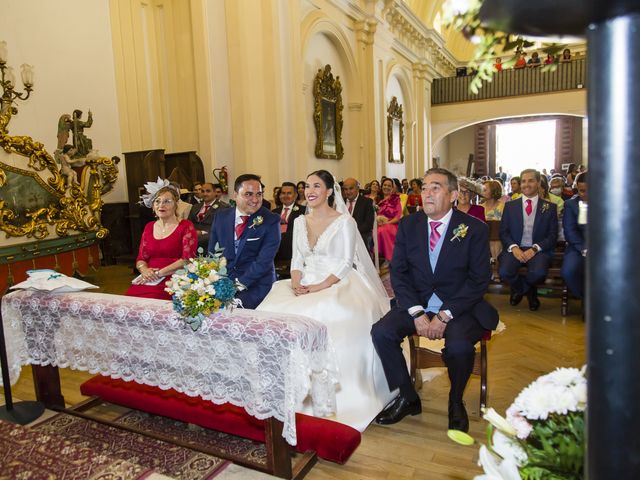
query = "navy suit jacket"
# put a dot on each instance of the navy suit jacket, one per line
(574, 233)
(252, 264)
(285, 252)
(462, 273)
(545, 225)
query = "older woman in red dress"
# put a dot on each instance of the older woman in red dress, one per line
(389, 214)
(165, 245)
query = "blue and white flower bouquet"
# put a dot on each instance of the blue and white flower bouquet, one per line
(202, 288)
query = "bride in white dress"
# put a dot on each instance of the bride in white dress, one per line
(333, 281)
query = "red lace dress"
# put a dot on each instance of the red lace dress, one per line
(182, 243)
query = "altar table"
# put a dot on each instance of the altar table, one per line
(264, 362)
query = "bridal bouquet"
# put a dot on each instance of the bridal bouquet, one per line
(543, 434)
(201, 288)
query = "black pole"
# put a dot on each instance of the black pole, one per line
(20, 412)
(613, 280)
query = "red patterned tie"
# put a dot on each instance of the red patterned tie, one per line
(350, 206)
(283, 220)
(241, 226)
(528, 208)
(203, 212)
(435, 235)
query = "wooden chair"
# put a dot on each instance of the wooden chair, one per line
(424, 358)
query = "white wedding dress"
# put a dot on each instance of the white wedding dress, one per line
(348, 308)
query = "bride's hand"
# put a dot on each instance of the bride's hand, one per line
(299, 289)
(316, 287)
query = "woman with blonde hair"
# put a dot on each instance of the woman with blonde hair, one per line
(493, 208)
(165, 245)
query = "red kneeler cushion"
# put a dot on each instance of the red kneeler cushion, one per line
(331, 440)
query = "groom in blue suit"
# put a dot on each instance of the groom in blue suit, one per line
(250, 236)
(440, 272)
(529, 234)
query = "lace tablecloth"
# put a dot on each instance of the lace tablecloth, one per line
(264, 362)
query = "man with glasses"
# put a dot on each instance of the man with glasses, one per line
(250, 236)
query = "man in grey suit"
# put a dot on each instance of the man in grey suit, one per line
(201, 214)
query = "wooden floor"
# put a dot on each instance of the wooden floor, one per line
(417, 447)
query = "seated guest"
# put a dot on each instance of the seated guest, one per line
(196, 196)
(529, 232)
(277, 202)
(405, 186)
(301, 198)
(515, 188)
(361, 209)
(466, 189)
(250, 236)
(552, 197)
(202, 214)
(415, 198)
(448, 304)
(575, 235)
(389, 214)
(374, 192)
(165, 245)
(557, 187)
(265, 203)
(183, 207)
(491, 194)
(288, 212)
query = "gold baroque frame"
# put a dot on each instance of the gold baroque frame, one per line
(395, 131)
(73, 209)
(327, 114)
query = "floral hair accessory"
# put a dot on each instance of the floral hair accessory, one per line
(459, 232)
(152, 189)
(257, 221)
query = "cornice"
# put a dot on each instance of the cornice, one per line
(425, 44)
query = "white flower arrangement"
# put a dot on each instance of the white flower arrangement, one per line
(202, 288)
(543, 433)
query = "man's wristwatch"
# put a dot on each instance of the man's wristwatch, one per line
(535, 248)
(417, 314)
(441, 319)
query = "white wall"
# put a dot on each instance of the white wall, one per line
(69, 44)
(459, 145)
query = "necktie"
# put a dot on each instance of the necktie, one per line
(241, 226)
(435, 235)
(529, 207)
(283, 220)
(350, 206)
(203, 211)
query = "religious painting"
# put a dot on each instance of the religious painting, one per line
(395, 131)
(25, 194)
(327, 114)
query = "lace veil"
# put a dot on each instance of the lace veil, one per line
(362, 259)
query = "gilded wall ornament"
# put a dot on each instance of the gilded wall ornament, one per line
(327, 114)
(395, 131)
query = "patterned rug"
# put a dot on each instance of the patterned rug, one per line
(193, 434)
(27, 453)
(165, 458)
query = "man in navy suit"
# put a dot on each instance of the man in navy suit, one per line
(361, 209)
(288, 212)
(250, 236)
(575, 234)
(529, 233)
(439, 272)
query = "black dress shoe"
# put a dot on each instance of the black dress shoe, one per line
(532, 298)
(399, 409)
(515, 298)
(458, 419)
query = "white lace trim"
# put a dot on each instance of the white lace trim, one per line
(265, 362)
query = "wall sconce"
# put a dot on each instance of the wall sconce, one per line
(8, 81)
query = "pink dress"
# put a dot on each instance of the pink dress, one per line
(391, 208)
(182, 243)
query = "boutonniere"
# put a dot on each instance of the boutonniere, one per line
(545, 206)
(295, 208)
(257, 221)
(215, 205)
(459, 232)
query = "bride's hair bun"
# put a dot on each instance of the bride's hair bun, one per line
(328, 181)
